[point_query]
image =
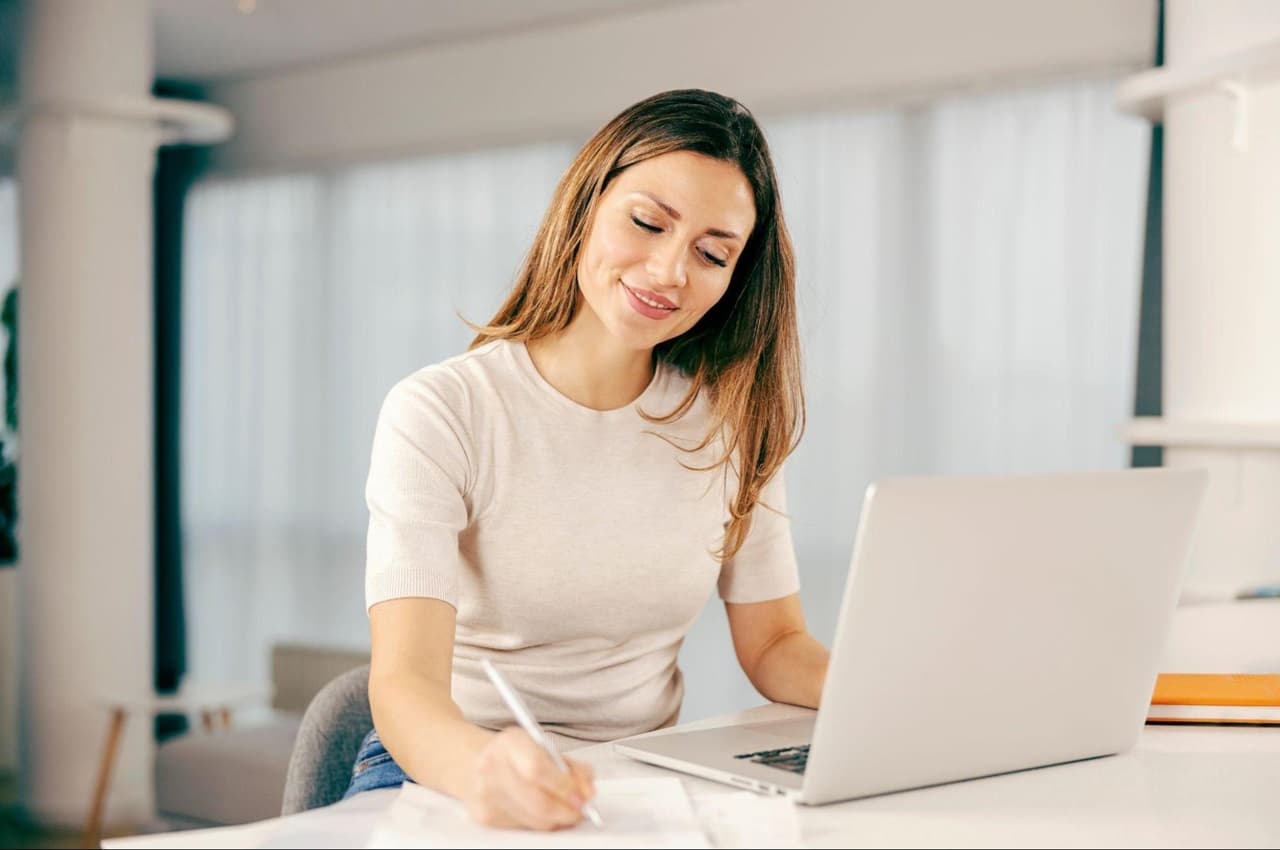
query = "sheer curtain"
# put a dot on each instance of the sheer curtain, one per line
(305, 299)
(968, 280)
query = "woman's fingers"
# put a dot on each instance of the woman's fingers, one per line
(537, 806)
(584, 776)
(520, 784)
(540, 789)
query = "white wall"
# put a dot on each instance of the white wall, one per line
(1221, 309)
(563, 82)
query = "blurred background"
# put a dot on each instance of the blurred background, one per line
(235, 224)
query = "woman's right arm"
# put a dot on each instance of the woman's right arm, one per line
(503, 778)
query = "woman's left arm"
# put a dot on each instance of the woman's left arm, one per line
(776, 651)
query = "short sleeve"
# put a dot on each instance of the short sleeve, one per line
(418, 478)
(765, 567)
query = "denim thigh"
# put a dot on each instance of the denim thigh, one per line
(374, 767)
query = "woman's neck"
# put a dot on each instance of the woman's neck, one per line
(585, 363)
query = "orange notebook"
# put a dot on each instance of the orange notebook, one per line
(1246, 699)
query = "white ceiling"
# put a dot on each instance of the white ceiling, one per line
(203, 40)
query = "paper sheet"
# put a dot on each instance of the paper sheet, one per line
(650, 812)
(746, 819)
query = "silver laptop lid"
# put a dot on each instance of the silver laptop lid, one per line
(991, 624)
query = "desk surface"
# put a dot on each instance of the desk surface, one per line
(1180, 786)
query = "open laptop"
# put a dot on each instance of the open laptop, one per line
(989, 624)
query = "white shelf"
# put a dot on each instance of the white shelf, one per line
(1156, 431)
(180, 121)
(191, 697)
(1146, 93)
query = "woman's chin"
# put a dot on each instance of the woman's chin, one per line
(633, 338)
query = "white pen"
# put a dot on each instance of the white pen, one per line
(526, 720)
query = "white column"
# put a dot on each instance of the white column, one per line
(1219, 95)
(87, 403)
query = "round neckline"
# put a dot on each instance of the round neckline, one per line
(546, 389)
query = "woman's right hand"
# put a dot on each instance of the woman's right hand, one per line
(517, 785)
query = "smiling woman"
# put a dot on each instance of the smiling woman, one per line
(664, 190)
(564, 498)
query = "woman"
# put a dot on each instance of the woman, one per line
(564, 497)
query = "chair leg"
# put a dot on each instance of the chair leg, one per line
(93, 828)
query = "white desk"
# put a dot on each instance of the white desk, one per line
(1180, 787)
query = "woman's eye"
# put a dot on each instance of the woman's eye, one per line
(653, 228)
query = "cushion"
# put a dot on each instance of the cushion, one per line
(226, 777)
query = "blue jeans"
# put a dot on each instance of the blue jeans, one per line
(374, 768)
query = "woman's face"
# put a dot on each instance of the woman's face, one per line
(662, 247)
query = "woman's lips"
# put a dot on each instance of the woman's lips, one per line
(650, 311)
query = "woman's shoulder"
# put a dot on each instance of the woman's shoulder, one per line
(456, 383)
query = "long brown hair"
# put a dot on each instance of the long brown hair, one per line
(745, 352)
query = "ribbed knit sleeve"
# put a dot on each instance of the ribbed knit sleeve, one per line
(765, 567)
(419, 475)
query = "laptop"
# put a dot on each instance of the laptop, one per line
(989, 624)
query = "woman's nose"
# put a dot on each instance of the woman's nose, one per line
(666, 266)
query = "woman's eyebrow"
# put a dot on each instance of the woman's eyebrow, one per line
(674, 213)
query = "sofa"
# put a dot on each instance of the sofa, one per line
(237, 775)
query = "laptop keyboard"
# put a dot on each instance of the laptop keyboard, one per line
(787, 758)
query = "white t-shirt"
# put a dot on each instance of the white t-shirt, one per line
(574, 545)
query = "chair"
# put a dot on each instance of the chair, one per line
(328, 741)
